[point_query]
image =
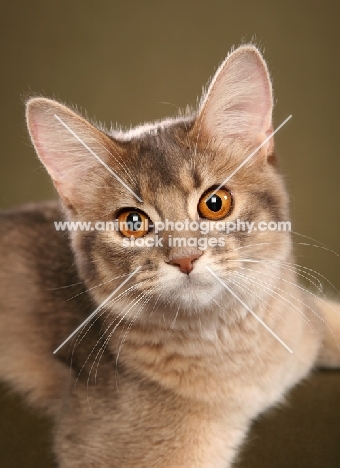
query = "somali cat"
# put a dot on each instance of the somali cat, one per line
(173, 367)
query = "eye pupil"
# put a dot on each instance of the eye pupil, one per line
(214, 203)
(134, 221)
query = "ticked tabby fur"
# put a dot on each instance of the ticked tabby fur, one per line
(173, 369)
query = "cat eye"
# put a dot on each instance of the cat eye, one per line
(133, 223)
(217, 206)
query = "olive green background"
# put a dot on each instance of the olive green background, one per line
(134, 61)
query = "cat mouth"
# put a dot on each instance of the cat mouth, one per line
(192, 280)
(192, 290)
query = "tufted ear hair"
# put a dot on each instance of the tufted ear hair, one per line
(239, 101)
(69, 147)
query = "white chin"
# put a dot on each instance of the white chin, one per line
(191, 293)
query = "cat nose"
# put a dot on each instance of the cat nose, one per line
(185, 264)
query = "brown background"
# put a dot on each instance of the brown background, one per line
(121, 61)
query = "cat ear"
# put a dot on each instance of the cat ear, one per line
(69, 147)
(239, 101)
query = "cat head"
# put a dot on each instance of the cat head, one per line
(172, 185)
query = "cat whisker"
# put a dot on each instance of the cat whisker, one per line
(288, 266)
(88, 357)
(103, 347)
(225, 285)
(306, 305)
(300, 271)
(124, 294)
(298, 267)
(127, 307)
(165, 324)
(97, 286)
(315, 240)
(305, 244)
(97, 310)
(155, 304)
(94, 347)
(272, 291)
(304, 268)
(65, 287)
(175, 318)
(83, 332)
(147, 297)
(260, 299)
(289, 282)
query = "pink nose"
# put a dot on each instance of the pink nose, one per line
(185, 264)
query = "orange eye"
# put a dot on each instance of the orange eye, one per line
(133, 223)
(215, 204)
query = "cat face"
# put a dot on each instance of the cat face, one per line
(161, 176)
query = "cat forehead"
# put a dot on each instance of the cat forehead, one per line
(165, 154)
(161, 148)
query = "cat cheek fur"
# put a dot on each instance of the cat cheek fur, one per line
(171, 372)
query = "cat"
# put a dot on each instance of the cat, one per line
(187, 343)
